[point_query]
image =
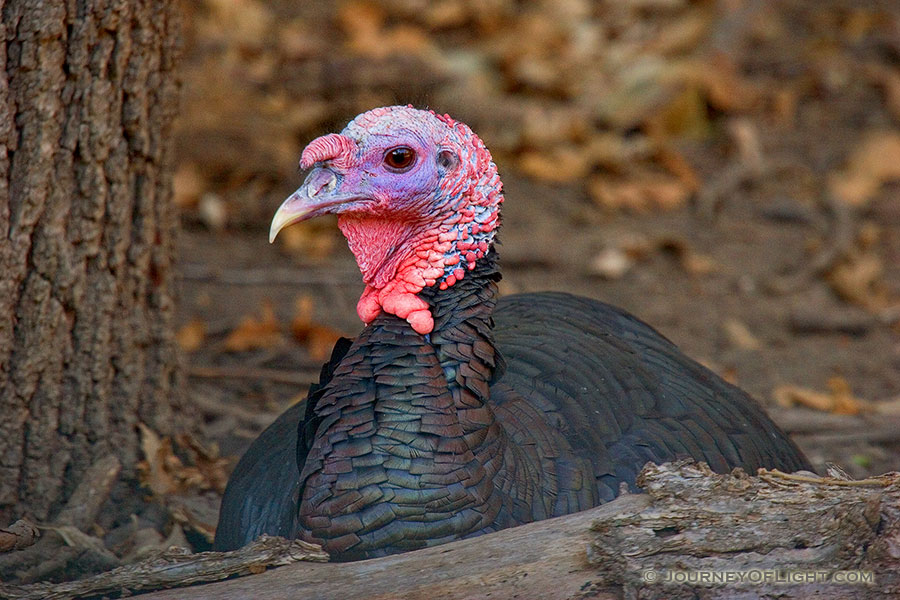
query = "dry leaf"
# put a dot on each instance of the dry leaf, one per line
(164, 473)
(559, 165)
(639, 196)
(859, 280)
(739, 335)
(362, 22)
(698, 264)
(676, 164)
(838, 400)
(190, 337)
(685, 115)
(681, 35)
(318, 339)
(211, 469)
(253, 333)
(188, 185)
(155, 472)
(875, 161)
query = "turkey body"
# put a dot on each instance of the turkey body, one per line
(540, 406)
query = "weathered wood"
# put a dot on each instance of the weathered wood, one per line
(547, 559)
(174, 568)
(88, 94)
(701, 522)
(690, 521)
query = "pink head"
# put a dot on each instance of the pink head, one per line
(417, 197)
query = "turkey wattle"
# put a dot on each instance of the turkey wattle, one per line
(455, 414)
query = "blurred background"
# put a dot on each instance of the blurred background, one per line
(728, 170)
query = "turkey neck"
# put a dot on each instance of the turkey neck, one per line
(407, 448)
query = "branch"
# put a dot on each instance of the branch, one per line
(175, 568)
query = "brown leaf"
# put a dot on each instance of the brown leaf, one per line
(211, 469)
(676, 164)
(164, 473)
(641, 196)
(838, 400)
(190, 337)
(318, 339)
(685, 115)
(253, 333)
(559, 165)
(362, 22)
(188, 185)
(155, 472)
(682, 34)
(874, 161)
(859, 279)
(740, 336)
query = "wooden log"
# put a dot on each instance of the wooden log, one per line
(693, 534)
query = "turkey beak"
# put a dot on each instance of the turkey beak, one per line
(315, 197)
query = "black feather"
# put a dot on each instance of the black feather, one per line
(539, 407)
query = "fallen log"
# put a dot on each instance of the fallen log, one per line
(693, 534)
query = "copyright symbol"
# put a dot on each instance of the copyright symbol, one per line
(649, 576)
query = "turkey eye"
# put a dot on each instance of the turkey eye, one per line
(400, 158)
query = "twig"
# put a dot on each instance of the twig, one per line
(840, 240)
(84, 505)
(175, 568)
(816, 321)
(238, 372)
(773, 475)
(211, 406)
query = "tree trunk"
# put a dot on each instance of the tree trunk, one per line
(88, 92)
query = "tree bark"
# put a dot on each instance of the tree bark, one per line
(88, 93)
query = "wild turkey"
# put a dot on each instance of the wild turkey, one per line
(455, 414)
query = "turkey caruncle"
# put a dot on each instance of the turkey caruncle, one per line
(455, 413)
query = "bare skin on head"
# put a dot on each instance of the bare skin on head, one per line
(417, 197)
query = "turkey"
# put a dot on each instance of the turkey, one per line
(455, 413)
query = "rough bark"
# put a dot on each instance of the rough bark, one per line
(87, 98)
(689, 521)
